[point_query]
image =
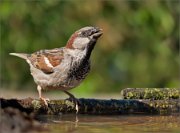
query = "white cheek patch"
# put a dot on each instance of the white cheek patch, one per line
(28, 61)
(47, 62)
(80, 42)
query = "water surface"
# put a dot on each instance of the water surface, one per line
(111, 124)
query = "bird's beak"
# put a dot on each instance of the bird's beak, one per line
(97, 33)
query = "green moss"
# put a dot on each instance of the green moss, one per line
(36, 104)
(151, 93)
(69, 103)
(151, 104)
(129, 95)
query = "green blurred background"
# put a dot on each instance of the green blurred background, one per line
(139, 47)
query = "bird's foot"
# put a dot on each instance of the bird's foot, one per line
(76, 102)
(45, 100)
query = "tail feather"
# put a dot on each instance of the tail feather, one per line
(21, 55)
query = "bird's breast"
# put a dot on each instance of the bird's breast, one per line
(66, 76)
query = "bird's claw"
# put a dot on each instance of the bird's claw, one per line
(76, 102)
(45, 100)
(77, 108)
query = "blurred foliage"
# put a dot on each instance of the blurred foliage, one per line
(139, 47)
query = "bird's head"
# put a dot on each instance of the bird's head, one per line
(84, 38)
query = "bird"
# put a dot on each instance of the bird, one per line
(63, 68)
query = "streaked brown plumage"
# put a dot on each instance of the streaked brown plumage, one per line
(63, 68)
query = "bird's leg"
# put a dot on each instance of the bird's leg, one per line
(75, 100)
(40, 96)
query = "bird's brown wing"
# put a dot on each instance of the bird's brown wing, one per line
(46, 60)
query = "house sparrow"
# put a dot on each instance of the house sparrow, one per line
(66, 67)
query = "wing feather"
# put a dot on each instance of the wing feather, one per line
(46, 60)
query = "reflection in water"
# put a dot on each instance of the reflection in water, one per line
(113, 124)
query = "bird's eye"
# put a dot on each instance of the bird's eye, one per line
(84, 33)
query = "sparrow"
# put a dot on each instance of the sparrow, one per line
(66, 67)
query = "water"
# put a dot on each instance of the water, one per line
(110, 124)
